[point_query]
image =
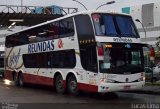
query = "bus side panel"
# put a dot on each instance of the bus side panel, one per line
(30, 78)
(45, 80)
(34, 79)
(8, 75)
(87, 87)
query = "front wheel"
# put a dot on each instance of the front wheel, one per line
(72, 85)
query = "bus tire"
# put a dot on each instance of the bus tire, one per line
(20, 80)
(72, 85)
(59, 85)
(15, 78)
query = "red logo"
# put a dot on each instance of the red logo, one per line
(60, 43)
(96, 17)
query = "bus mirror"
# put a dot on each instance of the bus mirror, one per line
(152, 54)
(100, 51)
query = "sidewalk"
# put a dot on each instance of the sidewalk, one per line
(148, 90)
(151, 90)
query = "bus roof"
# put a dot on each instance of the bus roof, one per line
(70, 15)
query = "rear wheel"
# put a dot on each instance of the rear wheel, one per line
(59, 85)
(72, 85)
(20, 80)
(15, 78)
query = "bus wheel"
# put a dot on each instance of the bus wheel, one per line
(20, 80)
(72, 85)
(59, 85)
(15, 78)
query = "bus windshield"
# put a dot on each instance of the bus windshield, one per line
(122, 58)
(114, 25)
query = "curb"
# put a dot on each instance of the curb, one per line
(143, 92)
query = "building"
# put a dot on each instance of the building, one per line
(149, 15)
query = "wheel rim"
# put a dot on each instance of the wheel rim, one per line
(15, 80)
(59, 85)
(15, 77)
(73, 85)
(21, 80)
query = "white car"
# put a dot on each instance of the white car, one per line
(152, 75)
(156, 69)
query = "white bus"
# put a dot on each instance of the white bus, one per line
(90, 51)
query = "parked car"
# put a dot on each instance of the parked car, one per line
(156, 69)
(149, 72)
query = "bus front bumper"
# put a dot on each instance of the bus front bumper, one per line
(112, 87)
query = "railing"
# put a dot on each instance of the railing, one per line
(33, 9)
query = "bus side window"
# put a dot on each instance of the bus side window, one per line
(66, 27)
(55, 27)
(52, 31)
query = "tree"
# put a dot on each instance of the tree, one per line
(158, 43)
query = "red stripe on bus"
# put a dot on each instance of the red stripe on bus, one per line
(35, 79)
(29, 78)
(87, 87)
(8, 75)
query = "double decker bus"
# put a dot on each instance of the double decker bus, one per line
(90, 51)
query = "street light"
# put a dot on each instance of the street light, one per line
(21, 5)
(108, 3)
(137, 20)
(81, 4)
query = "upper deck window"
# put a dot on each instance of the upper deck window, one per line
(114, 25)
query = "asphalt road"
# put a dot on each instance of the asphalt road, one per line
(40, 97)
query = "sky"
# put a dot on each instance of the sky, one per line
(90, 4)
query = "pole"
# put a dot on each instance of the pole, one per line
(21, 6)
(81, 4)
(137, 20)
(144, 31)
(111, 2)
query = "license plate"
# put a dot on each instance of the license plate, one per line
(127, 87)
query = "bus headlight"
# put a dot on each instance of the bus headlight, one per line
(103, 80)
(143, 78)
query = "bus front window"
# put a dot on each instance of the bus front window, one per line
(120, 60)
(114, 25)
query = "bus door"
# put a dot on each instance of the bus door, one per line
(87, 47)
(88, 58)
